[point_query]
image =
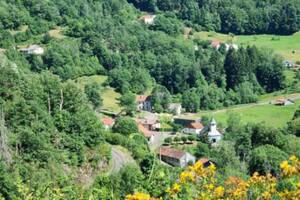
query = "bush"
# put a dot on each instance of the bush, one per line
(125, 125)
(192, 138)
(184, 139)
(168, 140)
(176, 139)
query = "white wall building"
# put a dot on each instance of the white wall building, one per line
(175, 157)
(33, 49)
(193, 128)
(213, 134)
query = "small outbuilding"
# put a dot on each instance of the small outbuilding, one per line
(33, 49)
(193, 128)
(284, 102)
(175, 157)
(108, 122)
(148, 19)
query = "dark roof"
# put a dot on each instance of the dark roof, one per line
(183, 122)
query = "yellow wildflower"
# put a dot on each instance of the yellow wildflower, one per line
(138, 196)
(186, 176)
(219, 192)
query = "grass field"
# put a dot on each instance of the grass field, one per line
(276, 116)
(109, 95)
(57, 33)
(283, 45)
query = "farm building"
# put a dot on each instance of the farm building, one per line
(284, 102)
(175, 157)
(150, 123)
(108, 122)
(288, 64)
(184, 122)
(148, 19)
(33, 49)
(217, 44)
(193, 128)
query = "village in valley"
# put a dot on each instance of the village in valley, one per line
(171, 144)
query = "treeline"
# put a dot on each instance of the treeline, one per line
(231, 16)
(114, 42)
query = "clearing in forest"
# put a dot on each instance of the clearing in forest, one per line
(288, 46)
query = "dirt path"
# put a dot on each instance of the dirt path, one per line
(119, 159)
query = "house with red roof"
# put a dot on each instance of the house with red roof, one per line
(150, 122)
(215, 44)
(148, 19)
(193, 128)
(149, 135)
(108, 122)
(175, 157)
(284, 102)
(143, 102)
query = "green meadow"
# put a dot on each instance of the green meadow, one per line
(108, 94)
(276, 116)
(286, 46)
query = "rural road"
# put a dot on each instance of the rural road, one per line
(119, 159)
(158, 140)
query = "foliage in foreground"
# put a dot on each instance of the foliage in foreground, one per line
(198, 182)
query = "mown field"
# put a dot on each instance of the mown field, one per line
(276, 116)
(109, 95)
(283, 45)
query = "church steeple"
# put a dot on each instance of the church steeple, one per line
(213, 124)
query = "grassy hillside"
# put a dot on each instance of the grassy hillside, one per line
(109, 95)
(283, 45)
(276, 116)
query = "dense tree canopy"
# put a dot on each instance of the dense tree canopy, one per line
(246, 17)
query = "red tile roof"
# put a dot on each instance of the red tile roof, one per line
(171, 153)
(203, 160)
(141, 98)
(108, 121)
(215, 43)
(145, 131)
(196, 125)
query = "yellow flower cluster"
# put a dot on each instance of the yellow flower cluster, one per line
(291, 167)
(236, 188)
(174, 189)
(138, 196)
(200, 176)
(199, 182)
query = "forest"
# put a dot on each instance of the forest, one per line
(52, 142)
(231, 16)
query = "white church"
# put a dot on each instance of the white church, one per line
(213, 134)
